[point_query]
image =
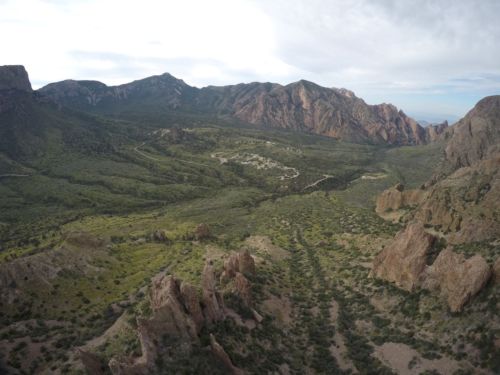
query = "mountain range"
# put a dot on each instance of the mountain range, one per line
(300, 106)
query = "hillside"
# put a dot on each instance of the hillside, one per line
(301, 106)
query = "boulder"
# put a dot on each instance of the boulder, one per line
(397, 197)
(457, 278)
(171, 330)
(404, 259)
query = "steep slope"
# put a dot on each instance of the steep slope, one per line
(302, 106)
(461, 203)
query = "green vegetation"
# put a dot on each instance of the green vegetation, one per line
(91, 213)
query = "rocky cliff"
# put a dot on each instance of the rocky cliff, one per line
(302, 106)
(404, 259)
(178, 316)
(14, 77)
(461, 202)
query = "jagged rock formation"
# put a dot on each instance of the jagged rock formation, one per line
(236, 266)
(461, 199)
(177, 317)
(397, 197)
(212, 300)
(302, 106)
(404, 259)
(14, 77)
(475, 137)
(457, 278)
(436, 131)
(219, 352)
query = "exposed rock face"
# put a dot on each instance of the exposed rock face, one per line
(457, 278)
(192, 304)
(302, 106)
(241, 262)
(435, 132)
(14, 77)
(236, 266)
(222, 356)
(176, 317)
(212, 300)
(466, 203)
(461, 200)
(404, 259)
(308, 107)
(243, 288)
(475, 137)
(397, 197)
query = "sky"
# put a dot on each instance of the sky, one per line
(432, 58)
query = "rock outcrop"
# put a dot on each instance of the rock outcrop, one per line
(396, 198)
(461, 199)
(241, 262)
(405, 258)
(496, 271)
(14, 77)
(177, 317)
(457, 278)
(212, 300)
(236, 266)
(219, 353)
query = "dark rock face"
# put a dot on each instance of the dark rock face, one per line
(14, 77)
(177, 317)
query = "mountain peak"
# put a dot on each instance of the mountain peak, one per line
(14, 77)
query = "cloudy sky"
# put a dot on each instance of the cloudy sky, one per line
(433, 58)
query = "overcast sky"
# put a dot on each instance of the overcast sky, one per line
(434, 59)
